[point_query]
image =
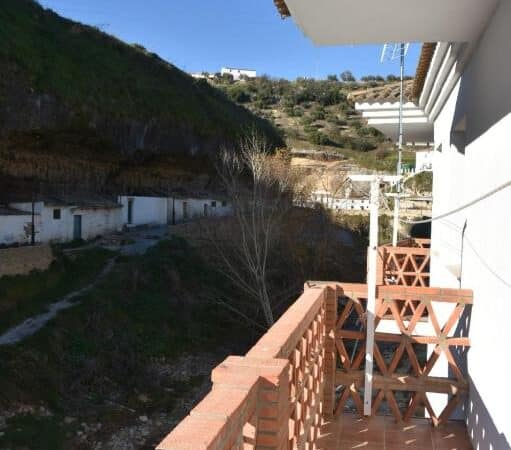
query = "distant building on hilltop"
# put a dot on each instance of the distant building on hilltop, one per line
(202, 75)
(238, 74)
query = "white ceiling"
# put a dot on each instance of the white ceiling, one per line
(413, 132)
(337, 22)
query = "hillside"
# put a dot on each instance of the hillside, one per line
(318, 114)
(80, 105)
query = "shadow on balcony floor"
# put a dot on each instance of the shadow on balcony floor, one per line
(350, 432)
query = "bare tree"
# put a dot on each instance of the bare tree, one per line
(261, 188)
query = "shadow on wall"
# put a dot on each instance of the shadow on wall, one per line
(484, 97)
(480, 426)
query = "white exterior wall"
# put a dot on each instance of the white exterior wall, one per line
(196, 208)
(355, 204)
(479, 259)
(15, 229)
(146, 210)
(158, 210)
(95, 222)
(238, 73)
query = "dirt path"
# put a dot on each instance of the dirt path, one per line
(35, 323)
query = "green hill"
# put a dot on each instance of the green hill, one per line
(318, 114)
(69, 92)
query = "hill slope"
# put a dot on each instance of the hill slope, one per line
(318, 114)
(73, 95)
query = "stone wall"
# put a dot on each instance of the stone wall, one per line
(22, 260)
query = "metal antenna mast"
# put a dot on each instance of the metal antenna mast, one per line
(392, 52)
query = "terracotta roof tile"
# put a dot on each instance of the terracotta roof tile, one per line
(282, 7)
(428, 49)
(382, 94)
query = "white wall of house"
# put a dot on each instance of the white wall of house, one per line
(237, 74)
(161, 210)
(145, 210)
(473, 160)
(94, 222)
(16, 229)
(193, 208)
(337, 203)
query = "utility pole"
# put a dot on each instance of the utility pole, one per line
(397, 200)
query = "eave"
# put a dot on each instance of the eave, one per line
(282, 8)
(340, 22)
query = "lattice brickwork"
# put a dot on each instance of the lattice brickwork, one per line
(351, 325)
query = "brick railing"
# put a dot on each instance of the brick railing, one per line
(407, 264)
(405, 307)
(276, 396)
(283, 391)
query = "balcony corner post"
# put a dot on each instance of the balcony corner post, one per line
(273, 411)
(330, 353)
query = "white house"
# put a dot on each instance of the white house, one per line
(462, 102)
(66, 220)
(202, 75)
(140, 210)
(238, 74)
(355, 197)
(16, 226)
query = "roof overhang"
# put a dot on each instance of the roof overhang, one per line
(385, 117)
(337, 22)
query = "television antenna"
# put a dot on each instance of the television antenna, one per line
(392, 52)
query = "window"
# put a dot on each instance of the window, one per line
(224, 204)
(56, 214)
(213, 204)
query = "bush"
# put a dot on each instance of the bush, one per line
(318, 138)
(363, 145)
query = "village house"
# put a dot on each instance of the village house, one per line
(142, 210)
(353, 197)
(238, 74)
(63, 220)
(16, 226)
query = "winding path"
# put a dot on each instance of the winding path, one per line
(30, 326)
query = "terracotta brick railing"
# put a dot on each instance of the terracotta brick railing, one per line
(283, 391)
(405, 307)
(276, 396)
(407, 264)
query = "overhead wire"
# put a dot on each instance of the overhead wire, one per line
(460, 208)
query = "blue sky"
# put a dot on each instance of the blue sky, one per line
(198, 35)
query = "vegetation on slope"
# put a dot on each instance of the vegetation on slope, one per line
(420, 183)
(317, 114)
(25, 295)
(93, 361)
(88, 96)
(98, 73)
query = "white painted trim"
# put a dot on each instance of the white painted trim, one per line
(437, 59)
(371, 294)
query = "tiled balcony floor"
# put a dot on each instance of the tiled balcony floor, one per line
(382, 433)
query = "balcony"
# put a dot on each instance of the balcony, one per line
(302, 385)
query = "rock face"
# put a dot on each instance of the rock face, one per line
(70, 92)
